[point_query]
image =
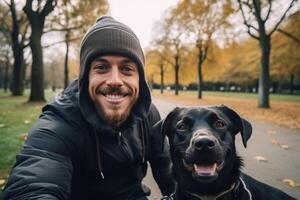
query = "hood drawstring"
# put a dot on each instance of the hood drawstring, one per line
(143, 142)
(119, 137)
(98, 156)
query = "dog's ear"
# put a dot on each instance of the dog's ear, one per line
(163, 125)
(245, 127)
(246, 131)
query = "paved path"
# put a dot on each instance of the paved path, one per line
(281, 163)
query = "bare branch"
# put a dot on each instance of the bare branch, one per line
(61, 29)
(249, 26)
(49, 6)
(28, 7)
(62, 41)
(289, 35)
(282, 17)
(25, 45)
(269, 11)
(6, 2)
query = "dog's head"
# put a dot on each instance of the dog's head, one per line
(202, 144)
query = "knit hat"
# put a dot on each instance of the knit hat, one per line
(108, 36)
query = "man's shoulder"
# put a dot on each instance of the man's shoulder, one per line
(153, 115)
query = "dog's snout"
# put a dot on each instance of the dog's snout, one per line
(201, 143)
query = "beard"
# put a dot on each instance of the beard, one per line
(116, 115)
(115, 119)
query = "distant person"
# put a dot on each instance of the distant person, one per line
(93, 140)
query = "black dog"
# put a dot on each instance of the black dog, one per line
(205, 163)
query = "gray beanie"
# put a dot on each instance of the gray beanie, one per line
(108, 36)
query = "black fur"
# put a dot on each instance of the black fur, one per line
(202, 138)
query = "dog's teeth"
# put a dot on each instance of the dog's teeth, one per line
(205, 170)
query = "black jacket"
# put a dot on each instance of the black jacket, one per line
(70, 153)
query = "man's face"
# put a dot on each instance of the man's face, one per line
(114, 87)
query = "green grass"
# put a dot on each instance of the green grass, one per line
(16, 118)
(242, 95)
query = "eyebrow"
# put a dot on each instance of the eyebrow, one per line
(124, 61)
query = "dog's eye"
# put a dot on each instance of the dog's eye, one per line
(181, 126)
(220, 124)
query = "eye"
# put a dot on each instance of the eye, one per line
(127, 69)
(220, 124)
(181, 126)
(100, 68)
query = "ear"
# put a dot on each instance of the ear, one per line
(163, 126)
(245, 130)
(244, 127)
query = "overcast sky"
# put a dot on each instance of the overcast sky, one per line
(140, 15)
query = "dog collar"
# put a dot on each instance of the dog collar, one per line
(233, 188)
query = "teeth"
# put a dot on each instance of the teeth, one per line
(114, 96)
(208, 170)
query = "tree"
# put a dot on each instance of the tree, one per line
(18, 33)
(285, 57)
(158, 58)
(255, 16)
(36, 12)
(72, 18)
(173, 41)
(202, 20)
(5, 46)
(293, 20)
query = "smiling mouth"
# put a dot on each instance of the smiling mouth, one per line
(204, 169)
(114, 97)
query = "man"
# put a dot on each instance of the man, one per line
(94, 140)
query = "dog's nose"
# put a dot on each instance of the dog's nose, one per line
(201, 143)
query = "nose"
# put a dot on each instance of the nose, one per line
(115, 79)
(201, 143)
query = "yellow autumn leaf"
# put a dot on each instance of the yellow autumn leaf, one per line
(23, 136)
(260, 159)
(275, 142)
(291, 182)
(2, 181)
(27, 121)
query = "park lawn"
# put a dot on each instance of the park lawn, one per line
(284, 110)
(243, 95)
(16, 118)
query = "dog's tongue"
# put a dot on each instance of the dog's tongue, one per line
(205, 170)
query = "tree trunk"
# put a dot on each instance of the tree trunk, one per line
(176, 75)
(17, 84)
(66, 61)
(200, 80)
(162, 85)
(6, 75)
(37, 21)
(264, 76)
(37, 71)
(292, 83)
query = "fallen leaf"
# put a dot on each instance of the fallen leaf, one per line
(275, 142)
(284, 146)
(291, 183)
(27, 121)
(261, 159)
(23, 136)
(2, 181)
(2, 125)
